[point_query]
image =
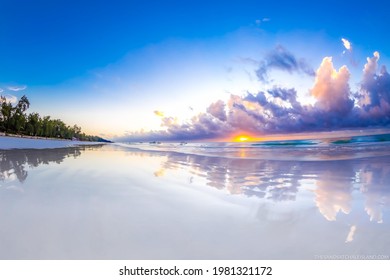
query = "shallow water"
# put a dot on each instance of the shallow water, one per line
(116, 202)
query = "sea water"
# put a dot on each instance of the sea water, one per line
(301, 199)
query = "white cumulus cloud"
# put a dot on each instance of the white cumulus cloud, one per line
(331, 88)
(347, 44)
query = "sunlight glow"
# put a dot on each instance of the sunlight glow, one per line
(242, 138)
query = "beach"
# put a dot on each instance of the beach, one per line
(173, 201)
(25, 142)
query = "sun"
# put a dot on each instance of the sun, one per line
(242, 138)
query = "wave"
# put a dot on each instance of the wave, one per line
(357, 147)
(366, 139)
(288, 143)
(362, 139)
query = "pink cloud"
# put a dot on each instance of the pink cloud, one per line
(277, 110)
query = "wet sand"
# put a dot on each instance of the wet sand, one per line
(111, 202)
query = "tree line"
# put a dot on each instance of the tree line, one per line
(14, 120)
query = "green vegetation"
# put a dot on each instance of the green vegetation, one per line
(14, 120)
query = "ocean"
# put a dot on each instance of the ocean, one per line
(298, 199)
(300, 150)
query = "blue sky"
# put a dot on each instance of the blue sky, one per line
(130, 67)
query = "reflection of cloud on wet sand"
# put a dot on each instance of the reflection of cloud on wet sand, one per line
(373, 208)
(241, 176)
(333, 181)
(332, 196)
(351, 234)
(335, 187)
(375, 179)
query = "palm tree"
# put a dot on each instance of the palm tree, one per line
(23, 103)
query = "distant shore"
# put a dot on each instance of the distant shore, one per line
(8, 142)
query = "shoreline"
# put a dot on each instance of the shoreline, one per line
(8, 142)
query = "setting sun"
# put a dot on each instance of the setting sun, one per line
(241, 138)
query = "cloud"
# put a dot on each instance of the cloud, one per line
(281, 59)
(1, 90)
(348, 51)
(16, 88)
(347, 44)
(375, 91)
(331, 88)
(158, 113)
(11, 98)
(260, 21)
(217, 110)
(277, 110)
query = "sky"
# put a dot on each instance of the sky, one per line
(198, 70)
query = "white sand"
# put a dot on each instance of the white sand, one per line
(115, 203)
(7, 143)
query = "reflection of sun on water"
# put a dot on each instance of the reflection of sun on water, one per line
(242, 153)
